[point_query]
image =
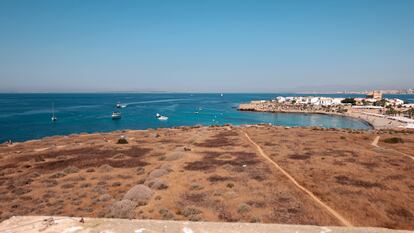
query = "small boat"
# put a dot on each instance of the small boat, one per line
(116, 115)
(53, 118)
(118, 105)
(221, 94)
(161, 117)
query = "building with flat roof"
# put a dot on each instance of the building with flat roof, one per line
(377, 95)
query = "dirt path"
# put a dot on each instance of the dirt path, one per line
(396, 151)
(375, 142)
(316, 199)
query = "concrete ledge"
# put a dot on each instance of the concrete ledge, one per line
(105, 225)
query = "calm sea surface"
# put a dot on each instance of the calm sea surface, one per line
(27, 116)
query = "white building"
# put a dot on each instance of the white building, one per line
(395, 102)
(280, 99)
(337, 101)
(408, 105)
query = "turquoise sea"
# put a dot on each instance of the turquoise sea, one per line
(27, 116)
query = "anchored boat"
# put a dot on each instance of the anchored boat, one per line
(161, 117)
(53, 118)
(116, 115)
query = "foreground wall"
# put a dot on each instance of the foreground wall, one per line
(71, 225)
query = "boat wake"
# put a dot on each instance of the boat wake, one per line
(154, 101)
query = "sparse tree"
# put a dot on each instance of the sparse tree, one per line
(349, 101)
(410, 112)
(381, 103)
(392, 112)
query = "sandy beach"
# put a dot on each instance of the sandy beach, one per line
(375, 122)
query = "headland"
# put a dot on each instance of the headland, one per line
(378, 113)
(259, 173)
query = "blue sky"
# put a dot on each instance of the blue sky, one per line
(206, 46)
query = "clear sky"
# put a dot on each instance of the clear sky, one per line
(206, 46)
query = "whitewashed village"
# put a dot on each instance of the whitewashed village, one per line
(374, 109)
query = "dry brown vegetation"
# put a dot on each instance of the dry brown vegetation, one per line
(213, 174)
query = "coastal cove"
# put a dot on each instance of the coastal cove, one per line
(366, 122)
(27, 116)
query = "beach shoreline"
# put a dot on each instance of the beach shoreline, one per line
(367, 122)
(374, 122)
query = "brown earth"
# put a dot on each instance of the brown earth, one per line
(215, 174)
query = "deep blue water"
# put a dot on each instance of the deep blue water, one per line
(27, 116)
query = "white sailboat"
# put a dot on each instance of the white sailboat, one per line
(53, 118)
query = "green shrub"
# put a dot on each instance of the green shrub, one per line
(243, 208)
(349, 101)
(393, 140)
(190, 211)
(122, 140)
(255, 220)
(166, 214)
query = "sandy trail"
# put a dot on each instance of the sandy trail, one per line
(396, 151)
(316, 199)
(375, 142)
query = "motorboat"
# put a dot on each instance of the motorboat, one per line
(161, 117)
(116, 115)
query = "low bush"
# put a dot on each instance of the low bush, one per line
(140, 170)
(190, 211)
(85, 185)
(196, 186)
(67, 186)
(157, 173)
(166, 214)
(116, 184)
(121, 209)
(243, 208)
(71, 169)
(105, 197)
(393, 140)
(105, 168)
(122, 140)
(158, 184)
(139, 193)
